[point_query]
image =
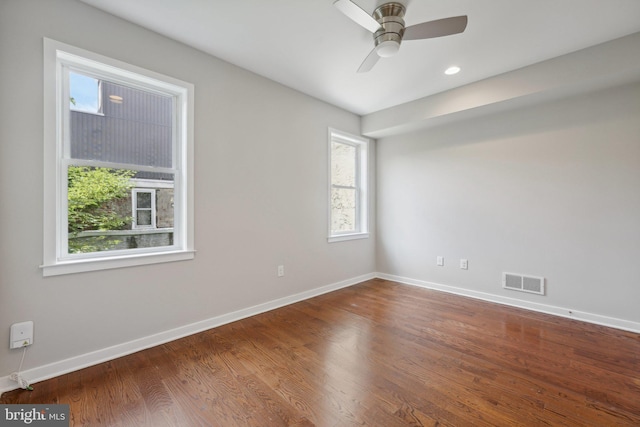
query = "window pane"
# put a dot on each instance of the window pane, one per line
(343, 209)
(144, 217)
(343, 164)
(100, 213)
(98, 202)
(84, 93)
(135, 127)
(144, 200)
(164, 208)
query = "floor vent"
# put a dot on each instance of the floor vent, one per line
(519, 282)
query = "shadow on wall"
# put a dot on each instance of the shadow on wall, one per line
(563, 114)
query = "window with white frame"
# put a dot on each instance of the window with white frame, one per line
(348, 199)
(143, 207)
(140, 130)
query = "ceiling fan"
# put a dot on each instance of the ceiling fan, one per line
(388, 28)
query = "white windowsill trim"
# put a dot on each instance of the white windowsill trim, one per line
(343, 237)
(80, 266)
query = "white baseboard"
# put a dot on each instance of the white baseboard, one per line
(41, 373)
(570, 313)
(75, 363)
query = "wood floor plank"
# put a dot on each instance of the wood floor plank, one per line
(379, 354)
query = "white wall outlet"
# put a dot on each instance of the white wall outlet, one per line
(464, 264)
(280, 270)
(440, 260)
(21, 334)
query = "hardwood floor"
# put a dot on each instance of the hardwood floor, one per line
(378, 353)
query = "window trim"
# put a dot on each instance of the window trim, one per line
(55, 261)
(362, 180)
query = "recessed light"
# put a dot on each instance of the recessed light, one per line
(452, 70)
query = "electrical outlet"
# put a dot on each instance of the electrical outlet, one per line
(280, 270)
(21, 334)
(440, 261)
(464, 264)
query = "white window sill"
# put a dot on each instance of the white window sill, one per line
(343, 237)
(95, 264)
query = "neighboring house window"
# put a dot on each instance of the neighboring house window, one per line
(144, 208)
(140, 130)
(348, 200)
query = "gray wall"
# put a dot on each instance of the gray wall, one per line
(551, 190)
(260, 194)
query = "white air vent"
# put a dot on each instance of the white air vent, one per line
(519, 282)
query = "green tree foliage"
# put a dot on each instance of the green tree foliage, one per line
(92, 192)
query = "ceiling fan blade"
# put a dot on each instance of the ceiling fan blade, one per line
(437, 28)
(357, 14)
(369, 62)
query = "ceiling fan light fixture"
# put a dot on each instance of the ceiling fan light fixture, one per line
(388, 28)
(387, 48)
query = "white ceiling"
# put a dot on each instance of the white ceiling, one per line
(310, 46)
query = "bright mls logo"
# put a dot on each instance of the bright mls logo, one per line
(35, 415)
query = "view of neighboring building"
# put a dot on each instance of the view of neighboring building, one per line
(122, 125)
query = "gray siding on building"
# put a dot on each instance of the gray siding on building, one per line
(137, 130)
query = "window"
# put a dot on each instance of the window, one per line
(348, 199)
(118, 181)
(144, 208)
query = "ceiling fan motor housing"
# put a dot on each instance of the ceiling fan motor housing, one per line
(389, 36)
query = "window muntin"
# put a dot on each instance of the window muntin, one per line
(145, 127)
(348, 186)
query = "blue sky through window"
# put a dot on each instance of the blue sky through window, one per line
(84, 90)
